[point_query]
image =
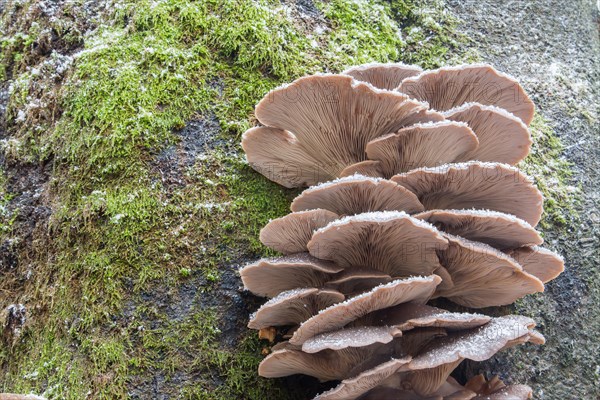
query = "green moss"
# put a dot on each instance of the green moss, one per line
(552, 174)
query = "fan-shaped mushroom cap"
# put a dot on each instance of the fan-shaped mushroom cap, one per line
(484, 276)
(450, 87)
(293, 306)
(357, 194)
(502, 136)
(333, 117)
(291, 233)
(540, 262)
(350, 389)
(356, 281)
(422, 145)
(499, 230)
(491, 186)
(389, 241)
(383, 76)
(277, 155)
(408, 316)
(365, 168)
(416, 289)
(432, 367)
(351, 337)
(269, 277)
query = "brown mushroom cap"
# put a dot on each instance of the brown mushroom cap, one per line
(415, 289)
(360, 336)
(422, 145)
(365, 168)
(291, 233)
(432, 367)
(352, 388)
(499, 230)
(333, 116)
(502, 136)
(540, 262)
(357, 194)
(450, 87)
(383, 76)
(389, 241)
(479, 185)
(269, 277)
(277, 154)
(484, 276)
(356, 281)
(293, 306)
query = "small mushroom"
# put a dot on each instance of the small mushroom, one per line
(487, 186)
(357, 194)
(422, 145)
(483, 276)
(390, 241)
(416, 290)
(538, 261)
(329, 119)
(502, 136)
(450, 87)
(291, 233)
(269, 277)
(383, 76)
(499, 230)
(293, 306)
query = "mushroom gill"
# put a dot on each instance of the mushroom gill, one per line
(406, 205)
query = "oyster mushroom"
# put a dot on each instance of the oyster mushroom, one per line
(383, 76)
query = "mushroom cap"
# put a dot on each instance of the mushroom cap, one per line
(383, 76)
(291, 233)
(293, 306)
(449, 87)
(502, 136)
(540, 262)
(269, 277)
(360, 336)
(365, 168)
(389, 241)
(479, 185)
(415, 289)
(432, 367)
(356, 281)
(333, 116)
(499, 230)
(352, 388)
(422, 145)
(484, 276)
(408, 316)
(357, 194)
(276, 154)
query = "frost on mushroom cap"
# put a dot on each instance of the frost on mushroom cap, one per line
(269, 277)
(449, 87)
(357, 194)
(277, 155)
(291, 233)
(351, 337)
(333, 116)
(499, 230)
(479, 185)
(383, 76)
(293, 306)
(502, 136)
(355, 387)
(540, 262)
(408, 316)
(415, 289)
(389, 241)
(432, 367)
(484, 276)
(422, 145)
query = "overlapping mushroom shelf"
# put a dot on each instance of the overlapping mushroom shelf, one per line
(408, 204)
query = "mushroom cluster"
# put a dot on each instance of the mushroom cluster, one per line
(414, 196)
